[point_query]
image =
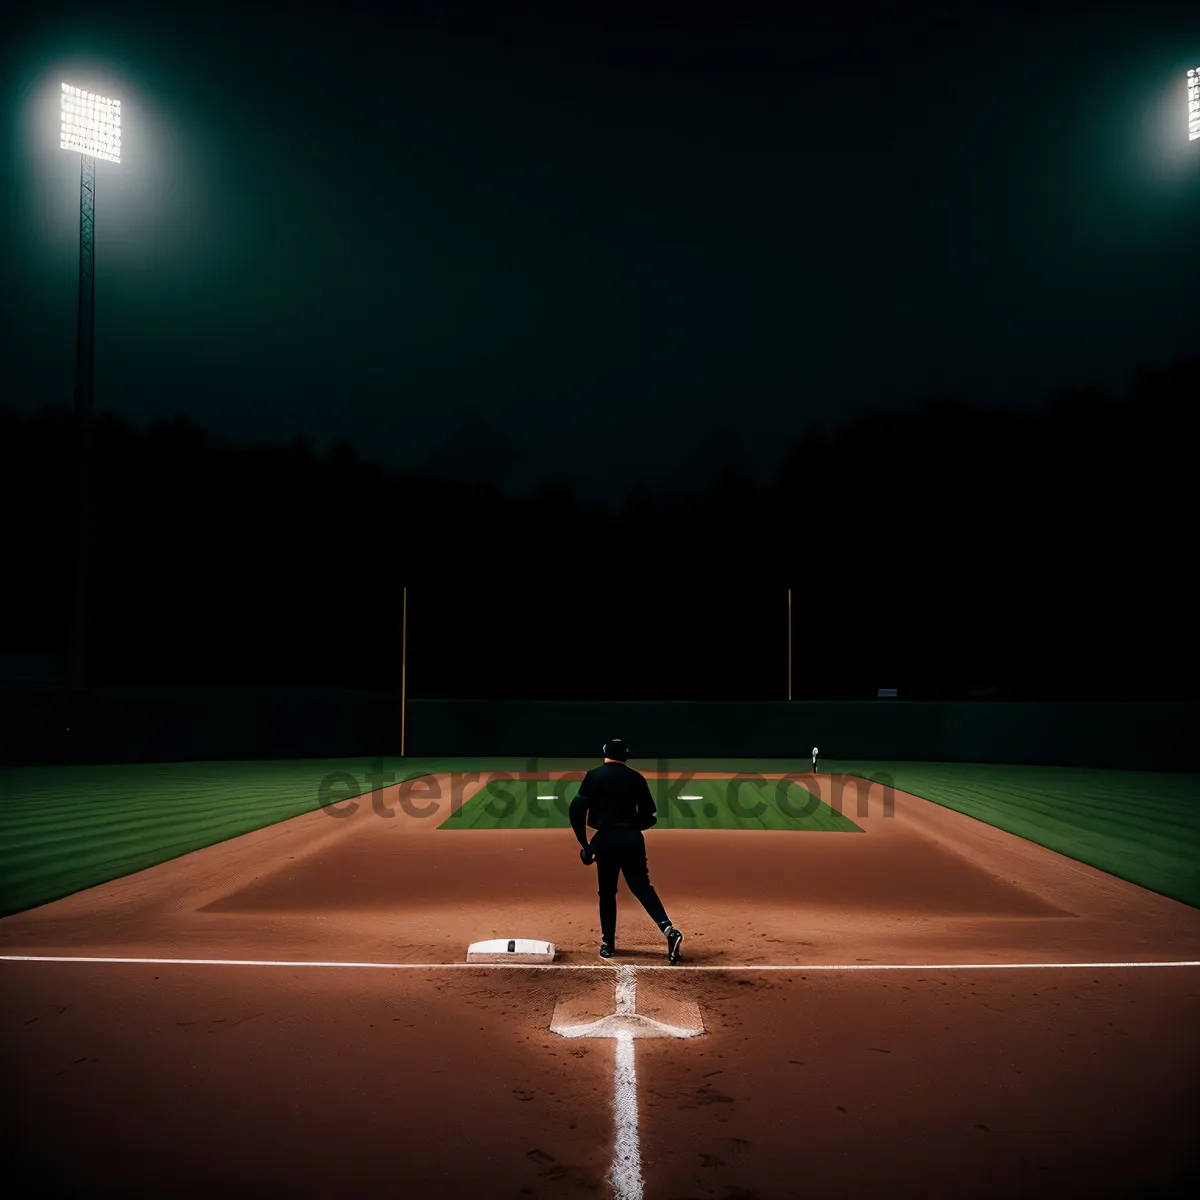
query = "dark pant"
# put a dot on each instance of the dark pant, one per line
(623, 851)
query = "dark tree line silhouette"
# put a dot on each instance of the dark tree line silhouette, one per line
(1042, 551)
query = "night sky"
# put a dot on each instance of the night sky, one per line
(606, 236)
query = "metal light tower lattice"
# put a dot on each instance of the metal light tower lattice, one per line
(91, 126)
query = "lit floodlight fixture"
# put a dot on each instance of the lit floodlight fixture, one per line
(1193, 86)
(91, 124)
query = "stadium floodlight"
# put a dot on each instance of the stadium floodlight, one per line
(1193, 88)
(91, 126)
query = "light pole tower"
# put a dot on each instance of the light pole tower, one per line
(91, 126)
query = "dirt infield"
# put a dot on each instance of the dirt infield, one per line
(319, 1080)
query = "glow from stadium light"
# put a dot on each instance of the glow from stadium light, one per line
(91, 124)
(1193, 87)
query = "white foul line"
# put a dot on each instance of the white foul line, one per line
(443, 966)
(626, 1174)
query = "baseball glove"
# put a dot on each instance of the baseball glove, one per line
(586, 856)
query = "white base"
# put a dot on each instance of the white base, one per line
(511, 950)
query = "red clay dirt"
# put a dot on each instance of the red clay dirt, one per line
(312, 1081)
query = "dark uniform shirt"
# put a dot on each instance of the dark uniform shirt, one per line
(612, 796)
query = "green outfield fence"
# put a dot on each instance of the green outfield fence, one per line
(45, 726)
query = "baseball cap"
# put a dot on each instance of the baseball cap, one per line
(615, 748)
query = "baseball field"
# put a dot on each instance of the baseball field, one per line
(898, 978)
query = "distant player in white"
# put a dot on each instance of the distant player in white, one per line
(814, 760)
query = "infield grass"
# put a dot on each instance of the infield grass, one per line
(694, 804)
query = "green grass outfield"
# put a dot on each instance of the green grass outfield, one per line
(63, 829)
(698, 804)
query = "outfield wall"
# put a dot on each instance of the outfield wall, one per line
(1137, 736)
(39, 726)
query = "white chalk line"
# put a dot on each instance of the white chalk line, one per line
(626, 1174)
(625, 1177)
(677, 967)
(626, 993)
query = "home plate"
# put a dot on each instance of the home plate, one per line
(511, 950)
